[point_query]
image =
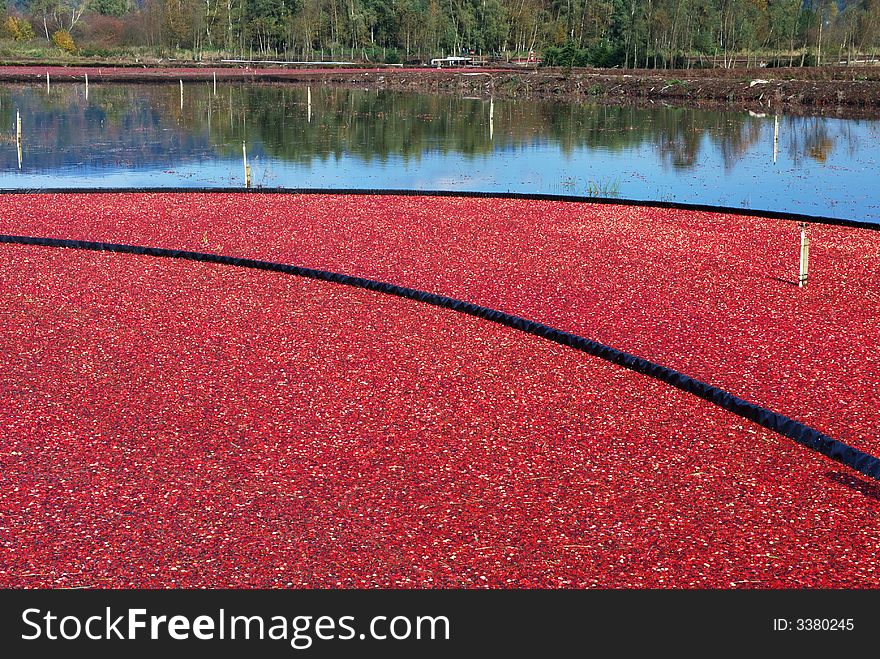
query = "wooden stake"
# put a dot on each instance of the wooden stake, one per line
(47, 82)
(775, 136)
(181, 94)
(87, 86)
(491, 117)
(247, 168)
(805, 256)
(18, 135)
(309, 95)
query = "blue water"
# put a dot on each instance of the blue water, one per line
(140, 136)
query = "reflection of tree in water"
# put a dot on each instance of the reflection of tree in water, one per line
(679, 134)
(848, 136)
(818, 142)
(735, 134)
(346, 122)
(119, 126)
(812, 137)
(144, 125)
(385, 124)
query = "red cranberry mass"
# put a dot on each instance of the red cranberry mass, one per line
(178, 424)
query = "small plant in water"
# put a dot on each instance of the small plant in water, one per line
(609, 188)
(265, 178)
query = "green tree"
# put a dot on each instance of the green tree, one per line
(110, 7)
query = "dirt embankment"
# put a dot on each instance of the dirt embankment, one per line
(837, 91)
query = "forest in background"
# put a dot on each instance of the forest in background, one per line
(600, 33)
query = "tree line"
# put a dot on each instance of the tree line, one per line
(624, 33)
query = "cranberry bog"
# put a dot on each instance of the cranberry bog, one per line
(170, 423)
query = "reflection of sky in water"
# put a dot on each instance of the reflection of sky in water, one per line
(823, 166)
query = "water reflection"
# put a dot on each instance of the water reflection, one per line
(329, 137)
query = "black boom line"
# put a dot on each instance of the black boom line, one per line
(801, 433)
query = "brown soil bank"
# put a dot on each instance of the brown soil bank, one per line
(837, 91)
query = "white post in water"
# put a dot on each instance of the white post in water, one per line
(775, 137)
(491, 116)
(18, 135)
(805, 255)
(247, 168)
(309, 103)
(87, 86)
(47, 82)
